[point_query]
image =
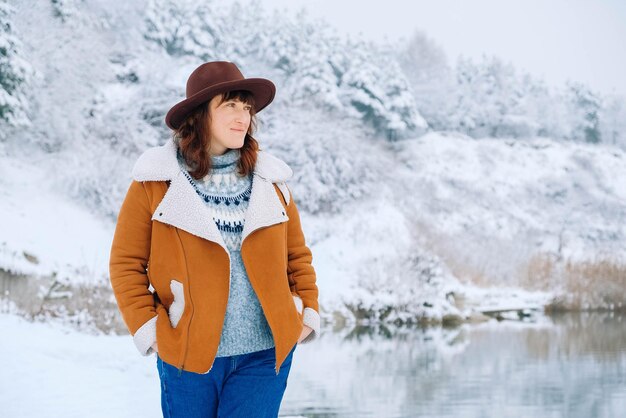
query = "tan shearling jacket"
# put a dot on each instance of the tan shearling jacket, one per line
(170, 268)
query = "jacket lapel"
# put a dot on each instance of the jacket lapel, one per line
(183, 208)
(264, 208)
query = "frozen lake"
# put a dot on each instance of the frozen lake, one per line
(571, 365)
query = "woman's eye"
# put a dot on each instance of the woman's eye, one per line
(248, 108)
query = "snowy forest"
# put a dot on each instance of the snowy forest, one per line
(428, 185)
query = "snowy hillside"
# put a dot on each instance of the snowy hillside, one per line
(536, 213)
(514, 197)
(406, 220)
(45, 234)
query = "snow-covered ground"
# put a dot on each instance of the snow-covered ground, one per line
(53, 371)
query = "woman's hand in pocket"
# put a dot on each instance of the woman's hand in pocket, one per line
(177, 307)
(306, 330)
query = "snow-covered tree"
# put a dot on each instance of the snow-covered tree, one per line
(376, 89)
(63, 9)
(475, 111)
(14, 74)
(583, 109)
(492, 100)
(541, 113)
(183, 28)
(430, 78)
(613, 120)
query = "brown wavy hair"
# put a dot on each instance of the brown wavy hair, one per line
(193, 139)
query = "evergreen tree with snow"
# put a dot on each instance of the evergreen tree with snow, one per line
(430, 78)
(613, 120)
(13, 74)
(487, 97)
(584, 110)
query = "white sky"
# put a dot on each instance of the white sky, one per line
(555, 39)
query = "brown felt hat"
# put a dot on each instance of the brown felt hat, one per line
(217, 77)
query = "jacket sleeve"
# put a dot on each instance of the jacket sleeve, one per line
(300, 271)
(128, 264)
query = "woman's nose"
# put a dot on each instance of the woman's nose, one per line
(242, 116)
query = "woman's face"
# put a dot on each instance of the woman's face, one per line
(229, 124)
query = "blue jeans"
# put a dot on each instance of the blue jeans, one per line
(244, 385)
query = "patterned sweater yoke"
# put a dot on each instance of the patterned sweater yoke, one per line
(226, 193)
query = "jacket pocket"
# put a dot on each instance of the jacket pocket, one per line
(178, 305)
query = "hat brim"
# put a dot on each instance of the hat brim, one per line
(262, 89)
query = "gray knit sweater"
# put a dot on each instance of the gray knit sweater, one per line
(226, 193)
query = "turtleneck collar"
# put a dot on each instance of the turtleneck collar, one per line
(222, 164)
(230, 157)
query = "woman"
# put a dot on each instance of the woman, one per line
(210, 224)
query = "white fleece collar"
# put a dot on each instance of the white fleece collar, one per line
(183, 208)
(160, 164)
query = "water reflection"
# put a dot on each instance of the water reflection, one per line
(570, 365)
